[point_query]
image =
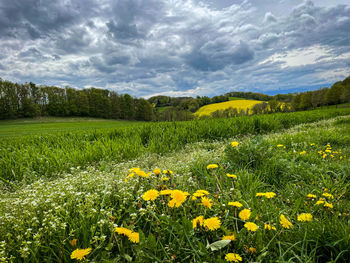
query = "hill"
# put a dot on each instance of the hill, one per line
(235, 104)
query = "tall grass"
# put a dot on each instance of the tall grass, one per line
(29, 157)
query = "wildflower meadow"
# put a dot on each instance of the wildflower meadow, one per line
(275, 193)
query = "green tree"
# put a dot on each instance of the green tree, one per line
(144, 110)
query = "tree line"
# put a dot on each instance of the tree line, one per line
(29, 100)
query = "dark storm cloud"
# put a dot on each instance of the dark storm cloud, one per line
(156, 46)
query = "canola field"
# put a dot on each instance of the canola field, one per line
(273, 188)
(239, 104)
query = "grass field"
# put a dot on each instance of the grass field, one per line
(50, 125)
(278, 194)
(239, 104)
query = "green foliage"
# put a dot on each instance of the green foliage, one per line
(29, 157)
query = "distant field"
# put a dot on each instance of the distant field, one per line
(239, 104)
(49, 125)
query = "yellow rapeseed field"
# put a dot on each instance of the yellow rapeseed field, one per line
(238, 104)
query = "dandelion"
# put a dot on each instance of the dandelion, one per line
(328, 205)
(131, 175)
(178, 197)
(304, 217)
(251, 226)
(320, 201)
(134, 169)
(134, 237)
(212, 223)
(302, 153)
(328, 151)
(244, 214)
(73, 242)
(199, 220)
(259, 194)
(234, 144)
(311, 196)
(280, 145)
(252, 250)
(329, 196)
(235, 204)
(79, 254)
(231, 176)
(270, 195)
(150, 195)
(165, 179)
(312, 144)
(203, 192)
(285, 223)
(324, 156)
(156, 171)
(143, 174)
(122, 231)
(230, 237)
(207, 202)
(231, 257)
(269, 227)
(212, 166)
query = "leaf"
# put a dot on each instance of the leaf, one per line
(218, 245)
(127, 257)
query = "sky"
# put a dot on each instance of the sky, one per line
(176, 47)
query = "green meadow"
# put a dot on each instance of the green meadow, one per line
(262, 188)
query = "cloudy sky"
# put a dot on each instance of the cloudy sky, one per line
(176, 47)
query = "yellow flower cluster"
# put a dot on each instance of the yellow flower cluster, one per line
(304, 217)
(212, 223)
(285, 222)
(232, 257)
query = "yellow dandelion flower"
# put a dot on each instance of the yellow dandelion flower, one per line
(328, 151)
(285, 222)
(252, 250)
(122, 231)
(212, 223)
(259, 194)
(269, 227)
(178, 197)
(304, 217)
(270, 195)
(320, 202)
(231, 176)
(303, 152)
(320, 152)
(324, 156)
(205, 192)
(131, 175)
(230, 237)
(235, 204)
(328, 205)
(212, 166)
(311, 196)
(150, 195)
(157, 171)
(73, 242)
(244, 214)
(165, 179)
(312, 144)
(280, 145)
(80, 254)
(251, 226)
(329, 196)
(142, 173)
(134, 237)
(198, 194)
(193, 198)
(207, 202)
(199, 220)
(234, 144)
(232, 257)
